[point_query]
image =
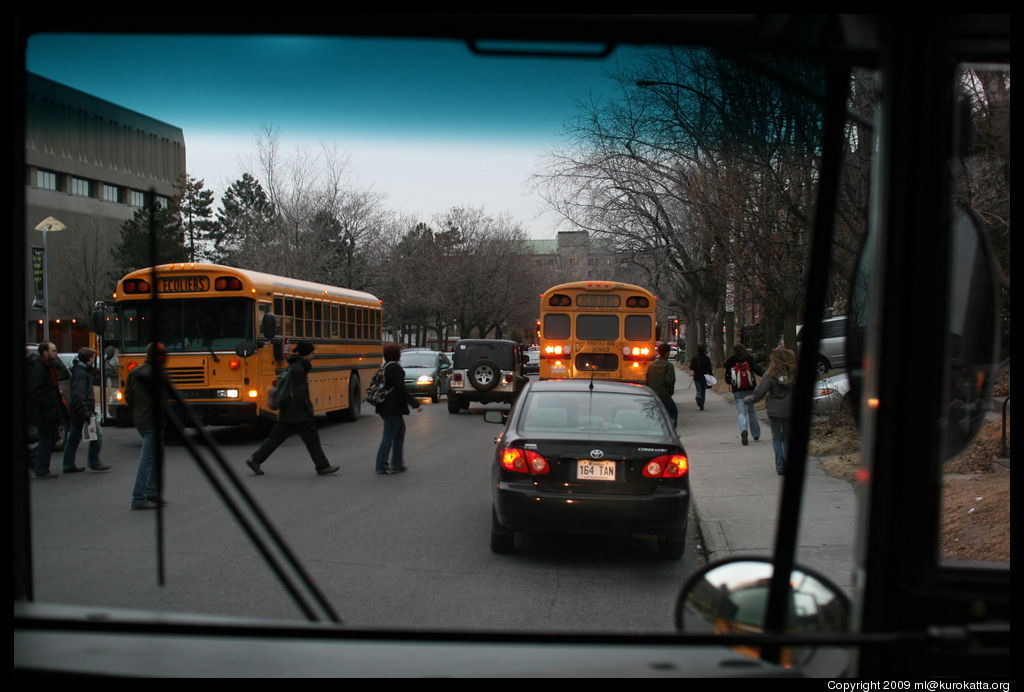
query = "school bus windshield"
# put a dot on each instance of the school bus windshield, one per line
(187, 324)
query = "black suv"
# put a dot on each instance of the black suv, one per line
(485, 370)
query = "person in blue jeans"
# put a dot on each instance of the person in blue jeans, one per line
(139, 395)
(392, 411)
(740, 371)
(777, 385)
(701, 366)
(81, 411)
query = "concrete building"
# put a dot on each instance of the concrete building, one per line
(575, 256)
(90, 164)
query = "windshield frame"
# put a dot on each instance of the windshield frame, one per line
(516, 27)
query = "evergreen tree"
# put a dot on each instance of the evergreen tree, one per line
(134, 250)
(195, 207)
(244, 223)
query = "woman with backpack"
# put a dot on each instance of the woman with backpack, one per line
(740, 371)
(777, 385)
(392, 410)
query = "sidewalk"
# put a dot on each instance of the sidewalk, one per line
(736, 491)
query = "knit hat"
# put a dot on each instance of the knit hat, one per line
(304, 348)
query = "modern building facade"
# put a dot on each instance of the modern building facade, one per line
(89, 164)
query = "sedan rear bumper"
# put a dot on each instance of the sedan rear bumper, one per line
(520, 506)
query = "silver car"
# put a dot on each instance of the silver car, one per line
(832, 349)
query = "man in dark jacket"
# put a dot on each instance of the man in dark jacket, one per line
(82, 408)
(701, 366)
(139, 395)
(661, 378)
(45, 407)
(742, 366)
(295, 416)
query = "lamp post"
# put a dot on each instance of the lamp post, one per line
(47, 226)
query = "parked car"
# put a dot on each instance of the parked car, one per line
(426, 373)
(831, 393)
(532, 366)
(608, 447)
(832, 349)
(486, 370)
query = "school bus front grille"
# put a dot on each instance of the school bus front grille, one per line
(187, 376)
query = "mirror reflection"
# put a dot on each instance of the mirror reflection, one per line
(731, 598)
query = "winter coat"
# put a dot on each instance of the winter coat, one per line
(701, 366)
(661, 377)
(45, 405)
(297, 407)
(399, 399)
(779, 389)
(138, 394)
(83, 401)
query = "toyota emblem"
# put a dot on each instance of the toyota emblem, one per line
(596, 453)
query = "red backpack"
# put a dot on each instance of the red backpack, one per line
(742, 375)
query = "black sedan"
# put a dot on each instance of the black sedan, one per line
(589, 457)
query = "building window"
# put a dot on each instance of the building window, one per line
(162, 202)
(111, 193)
(79, 187)
(136, 198)
(46, 180)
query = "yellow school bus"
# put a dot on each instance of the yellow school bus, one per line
(229, 332)
(600, 329)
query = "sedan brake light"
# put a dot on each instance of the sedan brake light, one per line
(523, 461)
(668, 466)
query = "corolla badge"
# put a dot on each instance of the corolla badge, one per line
(596, 453)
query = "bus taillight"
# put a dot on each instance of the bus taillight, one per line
(555, 351)
(637, 352)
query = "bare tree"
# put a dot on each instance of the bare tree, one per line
(85, 270)
(705, 171)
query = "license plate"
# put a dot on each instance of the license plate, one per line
(590, 470)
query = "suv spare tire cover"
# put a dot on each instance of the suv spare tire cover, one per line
(484, 375)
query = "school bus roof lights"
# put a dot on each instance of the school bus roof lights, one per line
(227, 283)
(136, 286)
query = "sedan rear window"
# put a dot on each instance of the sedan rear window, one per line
(572, 412)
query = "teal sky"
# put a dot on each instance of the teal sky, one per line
(425, 122)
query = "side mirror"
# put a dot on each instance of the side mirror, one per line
(268, 327)
(971, 331)
(99, 321)
(245, 349)
(496, 417)
(731, 597)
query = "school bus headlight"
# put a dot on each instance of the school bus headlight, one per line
(254, 394)
(227, 393)
(119, 395)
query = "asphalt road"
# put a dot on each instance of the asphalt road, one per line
(408, 551)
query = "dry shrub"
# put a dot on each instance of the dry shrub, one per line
(976, 517)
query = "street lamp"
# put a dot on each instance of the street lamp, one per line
(47, 226)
